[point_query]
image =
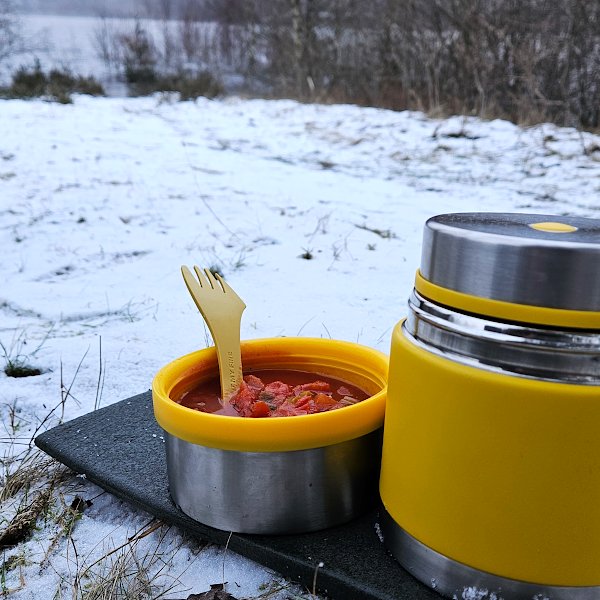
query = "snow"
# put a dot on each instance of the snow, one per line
(103, 200)
(474, 593)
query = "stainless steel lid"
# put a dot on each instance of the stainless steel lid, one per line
(538, 260)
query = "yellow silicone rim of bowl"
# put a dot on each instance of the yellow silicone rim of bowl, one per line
(498, 309)
(355, 363)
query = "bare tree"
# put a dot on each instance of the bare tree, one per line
(166, 12)
(10, 38)
(525, 60)
(580, 64)
(107, 44)
(139, 56)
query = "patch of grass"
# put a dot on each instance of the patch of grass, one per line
(202, 84)
(66, 520)
(386, 234)
(17, 369)
(127, 572)
(591, 149)
(56, 85)
(79, 84)
(17, 359)
(34, 489)
(239, 262)
(457, 134)
(16, 561)
(20, 473)
(216, 270)
(326, 164)
(22, 524)
(188, 86)
(28, 83)
(14, 421)
(306, 254)
(72, 514)
(27, 484)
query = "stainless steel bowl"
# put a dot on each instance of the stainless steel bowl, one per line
(275, 492)
(275, 475)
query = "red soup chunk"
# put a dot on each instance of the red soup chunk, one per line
(275, 393)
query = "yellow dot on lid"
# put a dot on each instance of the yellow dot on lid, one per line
(553, 227)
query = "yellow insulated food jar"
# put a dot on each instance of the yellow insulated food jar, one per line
(490, 474)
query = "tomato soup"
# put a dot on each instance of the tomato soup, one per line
(275, 393)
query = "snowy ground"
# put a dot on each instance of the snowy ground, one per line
(103, 200)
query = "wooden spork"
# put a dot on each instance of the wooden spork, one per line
(222, 310)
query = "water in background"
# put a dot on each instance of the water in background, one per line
(73, 43)
(57, 41)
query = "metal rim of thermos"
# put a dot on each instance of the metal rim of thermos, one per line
(457, 580)
(556, 355)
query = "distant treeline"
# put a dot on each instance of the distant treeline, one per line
(524, 60)
(113, 8)
(108, 8)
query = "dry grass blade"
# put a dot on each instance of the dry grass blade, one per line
(127, 572)
(132, 540)
(36, 471)
(22, 524)
(33, 467)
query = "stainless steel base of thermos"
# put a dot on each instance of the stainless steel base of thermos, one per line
(456, 580)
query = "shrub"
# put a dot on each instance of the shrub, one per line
(191, 87)
(89, 86)
(57, 85)
(139, 57)
(525, 60)
(28, 83)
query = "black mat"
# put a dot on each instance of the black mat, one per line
(120, 449)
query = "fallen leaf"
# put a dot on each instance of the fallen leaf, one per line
(216, 592)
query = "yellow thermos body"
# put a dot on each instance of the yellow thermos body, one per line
(490, 476)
